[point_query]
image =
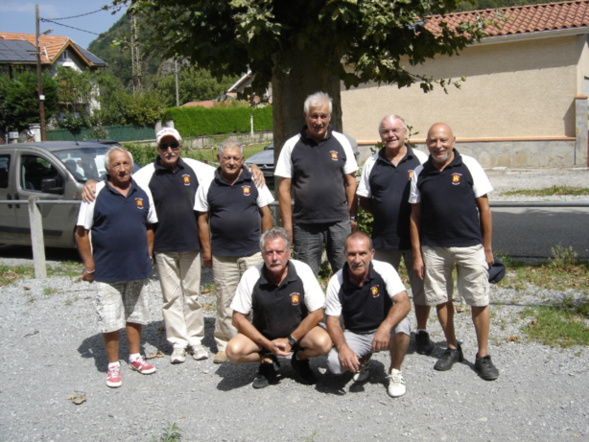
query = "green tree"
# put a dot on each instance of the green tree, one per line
(301, 46)
(75, 89)
(21, 100)
(194, 84)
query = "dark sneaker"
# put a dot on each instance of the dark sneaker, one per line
(266, 376)
(486, 369)
(423, 345)
(450, 356)
(302, 369)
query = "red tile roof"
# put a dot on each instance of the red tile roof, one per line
(521, 19)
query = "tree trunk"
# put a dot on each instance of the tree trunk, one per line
(298, 74)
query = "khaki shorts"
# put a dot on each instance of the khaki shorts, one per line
(472, 275)
(120, 302)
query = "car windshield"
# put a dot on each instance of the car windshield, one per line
(84, 163)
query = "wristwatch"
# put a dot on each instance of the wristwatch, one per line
(292, 341)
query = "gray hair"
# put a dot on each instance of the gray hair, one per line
(114, 149)
(359, 235)
(229, 142)
(274, 233)
(392, 117)
(317, 99)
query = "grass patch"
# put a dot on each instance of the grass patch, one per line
(171, 433)
(563, 271)
(562, 325)
(66, 268)
(550, 191)
(10, 274)
(49, 291)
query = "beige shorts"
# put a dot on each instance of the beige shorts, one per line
(471, 269)
(120, 302)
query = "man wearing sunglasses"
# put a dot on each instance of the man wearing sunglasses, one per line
(173, 182)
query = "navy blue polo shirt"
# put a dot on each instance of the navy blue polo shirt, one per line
(449, 211)
(317, 172)
(278, 310)
(390, 186)
(364, 308)
(234, 215)
(119, 234)
(173, 194)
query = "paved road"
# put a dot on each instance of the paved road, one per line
(532, 232)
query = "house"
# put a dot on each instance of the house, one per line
(524, 101)
(19, 50)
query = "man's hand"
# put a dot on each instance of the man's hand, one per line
(89, 191)
(381, 340)
(280, 347)
(257, 175)
(88, 277)
(207, 262)
(354, 225)
(349, 359)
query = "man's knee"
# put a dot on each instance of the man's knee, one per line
(236, 349)
(333, 363)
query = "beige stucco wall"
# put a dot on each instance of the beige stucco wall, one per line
(523, 89)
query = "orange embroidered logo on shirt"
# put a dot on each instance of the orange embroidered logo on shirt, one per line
(456, 178)
(334, 155)
(247, 190)
(374, 290)
(295, 298)
(410, 174)
(139, 202)
(186, 179)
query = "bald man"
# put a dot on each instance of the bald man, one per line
(451, 225)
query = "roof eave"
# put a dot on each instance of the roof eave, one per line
(536, 35)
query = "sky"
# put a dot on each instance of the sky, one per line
(19, 16)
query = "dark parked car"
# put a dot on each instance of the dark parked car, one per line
(265, 161)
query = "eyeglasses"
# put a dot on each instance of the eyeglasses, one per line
(164, 146)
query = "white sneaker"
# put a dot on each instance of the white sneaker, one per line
(178, 355)
(396, 383)
(362, 374)
(199, 353)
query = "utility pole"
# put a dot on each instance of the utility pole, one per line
(176, 81)
(40, 80)
(135, 55)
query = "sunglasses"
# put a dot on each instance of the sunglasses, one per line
(164, 146)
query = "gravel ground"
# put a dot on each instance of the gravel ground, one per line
(51, 351)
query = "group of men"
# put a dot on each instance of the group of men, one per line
(433, 212)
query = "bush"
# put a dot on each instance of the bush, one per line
(197, 121)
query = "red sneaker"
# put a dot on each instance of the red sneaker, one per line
(113, 376)
(141, 366)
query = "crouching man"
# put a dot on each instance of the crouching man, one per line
(370, 298)
(287, 305)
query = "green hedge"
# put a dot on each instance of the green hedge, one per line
(197, 121)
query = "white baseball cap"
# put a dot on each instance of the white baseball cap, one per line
(168, 132)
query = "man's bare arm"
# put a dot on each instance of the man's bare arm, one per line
(415, 228)
(285, 203)
(486, 220)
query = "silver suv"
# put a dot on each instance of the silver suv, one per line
(52, 170)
